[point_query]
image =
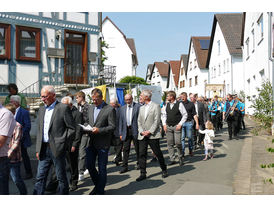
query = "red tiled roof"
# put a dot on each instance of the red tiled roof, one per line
(175, 67)
(162, 68)
(201, 54)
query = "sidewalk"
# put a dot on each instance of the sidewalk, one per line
(249, 176)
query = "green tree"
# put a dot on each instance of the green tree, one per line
(133, 80)
(104, 46)
(263, 105)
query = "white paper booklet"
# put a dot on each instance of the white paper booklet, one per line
(86, 128)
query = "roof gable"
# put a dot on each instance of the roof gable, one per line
(175, 68)
(231, 27)
(162, 69)
(130, 41)
(201, 54)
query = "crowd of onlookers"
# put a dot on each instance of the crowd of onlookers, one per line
(76, 136)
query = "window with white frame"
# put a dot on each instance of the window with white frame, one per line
(190, 66)
(214, 72)
(253, 40)
(260, 28)
(219, 47)
(219, 67)
(4, 41)
(247, 47)
(190, 82)
(224, 67)
(195, 63)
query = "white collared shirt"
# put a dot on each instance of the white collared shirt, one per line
(182, 111)
(146, 108)
(129, 110)
(47, 118)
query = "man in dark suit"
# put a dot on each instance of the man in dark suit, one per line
(22, 116)
(54, 120)
(101, 118)
(116, 141)
(201, 113)
(128, 129)
(74, 138)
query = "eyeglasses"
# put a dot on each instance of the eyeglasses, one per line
(44, 97)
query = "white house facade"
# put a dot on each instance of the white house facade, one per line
(225, 55)
(39, 48)
(121, 51)
(197, 73)
(182, 83)
(257, 52)
(173, 76)
(159, 75)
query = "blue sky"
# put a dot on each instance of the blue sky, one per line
(161, 36)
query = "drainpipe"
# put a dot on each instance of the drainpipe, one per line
(270, 53)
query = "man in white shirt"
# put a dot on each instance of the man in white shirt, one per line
(174, 116)
(7, 125)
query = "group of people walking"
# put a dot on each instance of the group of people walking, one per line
(76, 137)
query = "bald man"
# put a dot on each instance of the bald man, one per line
(54, 120)
(128, 129)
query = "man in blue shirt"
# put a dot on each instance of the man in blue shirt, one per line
(214, 111)
(232, 119)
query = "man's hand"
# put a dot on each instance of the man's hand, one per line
(37, 155)
(121, 137)
(72, 149)
(165, 128)
(197, 127)
(178, 127)
(146, 133)
(95, 130)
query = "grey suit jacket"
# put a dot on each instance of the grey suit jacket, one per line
(105, 121)
(123, 121)
(61, 121)
(151, 122)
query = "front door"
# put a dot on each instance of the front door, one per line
(75, 69)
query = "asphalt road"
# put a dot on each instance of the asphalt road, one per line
(198, 177)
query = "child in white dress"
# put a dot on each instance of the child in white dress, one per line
(208, 140)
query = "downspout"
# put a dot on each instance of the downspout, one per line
(270, 50)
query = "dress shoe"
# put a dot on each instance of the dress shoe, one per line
(141, 177)
(171, 163)
(73, 188)
(93, 191)
(124, 170)
(28, 176)
(164, 174)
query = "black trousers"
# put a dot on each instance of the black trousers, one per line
(118, 146)
(126, 149)
(26, 159)
(214, 119)
(155, 146)
(232, 123)
(198, 137)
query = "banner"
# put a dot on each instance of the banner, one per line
(120, 96)
(103, 88)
